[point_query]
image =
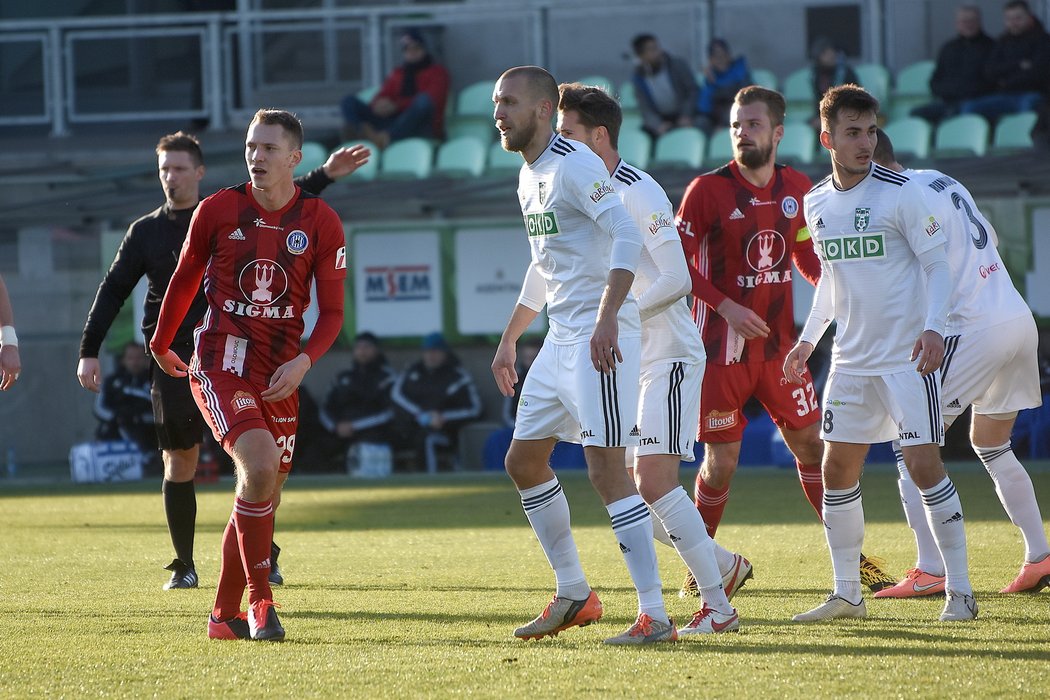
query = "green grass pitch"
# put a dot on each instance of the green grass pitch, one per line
(411, 588)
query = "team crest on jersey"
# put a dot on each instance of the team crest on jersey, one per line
(789, 205)
(297, 242)
(542, 186)
(263, 282)
(600, 190)
(765, 250)
(861, 218)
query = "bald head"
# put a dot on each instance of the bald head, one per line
(540, 84)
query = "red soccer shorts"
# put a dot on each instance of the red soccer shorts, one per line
(231, 406)
(727, 388)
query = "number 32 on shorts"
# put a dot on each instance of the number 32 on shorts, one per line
(806, 399)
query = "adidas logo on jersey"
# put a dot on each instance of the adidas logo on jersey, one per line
(737, 214)
(236, 235)
(954, 404)
(820, 222)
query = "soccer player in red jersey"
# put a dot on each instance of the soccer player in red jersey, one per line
(258, 247)
(742, 227)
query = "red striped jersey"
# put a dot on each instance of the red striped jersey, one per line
(259, 269)
(740, 241)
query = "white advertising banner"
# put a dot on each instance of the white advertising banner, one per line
(397, 282)
(490, 266)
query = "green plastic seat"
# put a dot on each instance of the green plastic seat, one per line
(482, 129)
(501, 162)
(719, 148)
(407, 159)
(763, 77)
(875, 78)
(910, 137)
(475, 100)
(799, 144)
(912, 88)
(598, 81)
(461, 157)
(964, 135)
(798, 93)
(635, 146)
(682, 148)
(314, 155)
(1013, 132)
(628, 98)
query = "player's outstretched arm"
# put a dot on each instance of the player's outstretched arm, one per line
(344, 161)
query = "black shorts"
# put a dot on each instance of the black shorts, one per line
(179, 423)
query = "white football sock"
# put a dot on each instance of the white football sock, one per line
(945, 517)
(1014, 487)
(928, 558)
(633, 527)
(844, 528)
(726, 559)
(659, 533)
(548, 513)
(678, 515)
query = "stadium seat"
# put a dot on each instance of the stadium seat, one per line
(634, 146)
(475, 100)
(799, 143)
(461, 157)
(763, 77)
(407, 159)
(368, 170)
(719, 149)
(631, 120)
(483, 130)
(912, 88)
(910, 137)
(501, 162)
(798, 93)
(964, 135)
(1014, 132)
(366, 94)
(628, 100)
(314, 155)
(875, 78)
(682, 147)
(598, 81)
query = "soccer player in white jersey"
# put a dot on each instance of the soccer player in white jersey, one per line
(673, 356)
(583, 386)
(991, 363)
(885, 281)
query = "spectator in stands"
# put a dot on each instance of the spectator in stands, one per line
(357, 407)
(10, 362)
(124, 408)
(528, 349)
(724, 75)
(433, 399)
(960, 71)
(1019, 66)
(665, 87)
(411, 101)
(829, 69)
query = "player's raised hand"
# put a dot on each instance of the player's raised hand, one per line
(89, 372)
(287, 378)
(171, 363)
(605, 345)
(795, 362)
(929, 349)
(10, 366)
(743, 320)
(344, 161)
(503, 368)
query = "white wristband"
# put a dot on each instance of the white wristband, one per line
(8, 336)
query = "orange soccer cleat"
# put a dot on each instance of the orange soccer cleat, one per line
(1034, 577)
(916, 583)
(561, 614)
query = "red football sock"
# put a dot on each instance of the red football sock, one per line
(809, 477)
(254, 534)
(231, 576)
(710, 502)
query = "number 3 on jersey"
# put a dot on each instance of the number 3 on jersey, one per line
(806, 399)
(286, 443)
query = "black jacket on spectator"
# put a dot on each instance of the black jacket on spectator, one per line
(448, 388)
(960, 71)
(125, 410)
(1004, 66)
(361, 395)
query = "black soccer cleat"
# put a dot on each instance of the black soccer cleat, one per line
(276, 578)
(183, 575)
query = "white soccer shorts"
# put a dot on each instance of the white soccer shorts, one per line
(669, 408)
(995, 369)
(566, 398)
(870, 409)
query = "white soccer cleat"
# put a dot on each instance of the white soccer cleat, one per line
(710, 621)
(959, 607)
(832, 608)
